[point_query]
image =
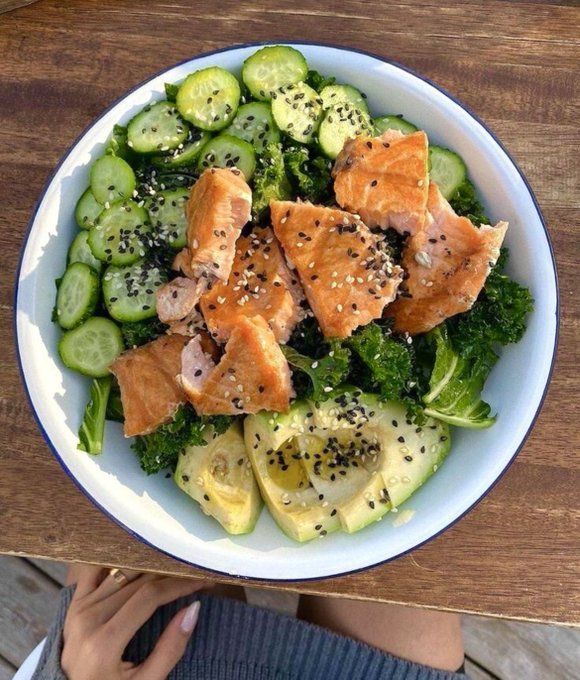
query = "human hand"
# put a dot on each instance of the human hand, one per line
(103, 617)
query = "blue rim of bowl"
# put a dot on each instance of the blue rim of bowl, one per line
(263, 44)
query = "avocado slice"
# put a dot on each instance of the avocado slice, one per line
(219, 477)
(353, 454)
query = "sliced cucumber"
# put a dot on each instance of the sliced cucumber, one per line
(271, 68)
(446, 169)
(158, 127)
(121, 233)
(297, 110)
(129, 292)
(343, 94)
(91, 347)
(209, 98)
(342, 122)
(87, 210)
(78, 294)
(384, 123)
(225, 151)
(254, 123)
(118, 146)
(168, 219)
(80, 251)
(112, 178)
(186, 154)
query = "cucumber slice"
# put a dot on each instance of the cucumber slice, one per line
(80, 251)
(297, 110)
(112, 178)
(446, 169)
(342, 122)
(271, 68)
(78, 294)
(158, 127)
(209, 98)
(384, 123)
(225, 151)
(168, 219)
(186, 154)
(121, 233)
(343, 94)
(254, 123)
(118, 145)
(129, 292)
(91, 347)
(87, 210)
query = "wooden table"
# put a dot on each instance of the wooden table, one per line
(61, 63)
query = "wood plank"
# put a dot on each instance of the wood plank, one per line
(475, 672)
(7, 670)
(28, 601)
(55, 570)
(514, 63)
(509, 649)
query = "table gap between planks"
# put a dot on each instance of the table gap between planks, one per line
(515, 63)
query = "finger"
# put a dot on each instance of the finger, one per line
(86, 576)
(106, 607)
(142, 605)
(171, 645)
(111, 585)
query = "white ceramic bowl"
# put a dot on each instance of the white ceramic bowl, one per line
(152, 508)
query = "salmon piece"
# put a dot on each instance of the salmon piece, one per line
(447, 265)
(149, 389)
(253, 374)
(260, 284)
(190, 325)
(346, 273)
(385, 180)
(178, 298)
(182, 264)
(219, 206)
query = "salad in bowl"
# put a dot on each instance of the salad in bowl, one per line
(285, 297)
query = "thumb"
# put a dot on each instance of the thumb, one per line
(171, 645)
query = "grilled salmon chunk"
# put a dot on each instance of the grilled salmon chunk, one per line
(385, 180)
(346, 272)
(219, 206)
(147, 378)
(178, 298)
(260, 284)
(253, 374)
(446, 264)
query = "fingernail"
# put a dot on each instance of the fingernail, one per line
(190, 617)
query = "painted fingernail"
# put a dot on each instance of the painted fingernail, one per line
(190, 617)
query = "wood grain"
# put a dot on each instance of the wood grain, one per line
(7, 670)
(515, 63)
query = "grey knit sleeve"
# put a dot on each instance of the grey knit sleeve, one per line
(49, 664)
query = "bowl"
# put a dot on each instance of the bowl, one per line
(152, 508)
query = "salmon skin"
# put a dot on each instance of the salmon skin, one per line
(147, 379)
(252, 375)
(446, 264)
(346, 272)
(219, 205)
(260, 284)
(385, 180)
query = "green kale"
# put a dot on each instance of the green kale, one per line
(317, 81)
(115, 406)
(456, 383)
(498, 316)
(270, 180)
(325, 374)
(387, 364)
(160, 449)
(465, 202)
(171, 91)
(118, 146)
(310, 177)
(92, 428)
(307, 338)
(137, 333)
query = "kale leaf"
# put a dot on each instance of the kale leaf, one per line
(310, 177)
(465, 202)
(92, 428)
(270, 180)
(386, 363)
(137, 333)
(325, 374)
(161, 448)
(171, 91)
(317, 81)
